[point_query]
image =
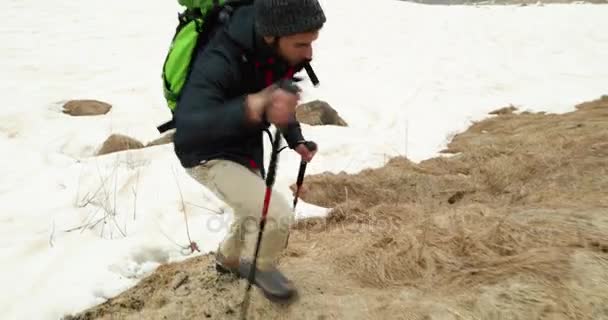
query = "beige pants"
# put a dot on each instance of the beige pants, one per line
(244, 189)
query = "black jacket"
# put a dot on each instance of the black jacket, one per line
(210, 114)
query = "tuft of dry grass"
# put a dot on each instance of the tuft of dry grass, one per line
(463, 247)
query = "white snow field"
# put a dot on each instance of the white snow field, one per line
(404, 76)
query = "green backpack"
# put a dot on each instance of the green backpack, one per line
(194, 30)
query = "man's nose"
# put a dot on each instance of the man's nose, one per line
(308, 53)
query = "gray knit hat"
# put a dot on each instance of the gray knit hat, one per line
(285, 17)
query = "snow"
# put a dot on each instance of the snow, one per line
(404, 76)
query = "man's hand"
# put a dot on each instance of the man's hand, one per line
(277, 103)
(306, 153)
(282, 107)
(257, 103)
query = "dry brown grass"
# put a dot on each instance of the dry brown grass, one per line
(513, 225)
(523, 195)
(512, 158)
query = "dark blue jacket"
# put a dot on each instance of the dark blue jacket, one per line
(210, 115)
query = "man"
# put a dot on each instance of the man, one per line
(230, 98)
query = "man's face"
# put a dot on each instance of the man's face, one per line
(297, 48)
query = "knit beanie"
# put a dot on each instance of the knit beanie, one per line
(285, 17)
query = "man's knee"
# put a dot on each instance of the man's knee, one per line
(280, 207)
(280, 213)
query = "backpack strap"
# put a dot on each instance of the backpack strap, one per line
(167, 125)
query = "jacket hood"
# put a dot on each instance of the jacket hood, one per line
(241, 29)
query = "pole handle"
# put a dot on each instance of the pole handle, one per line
(311, 146)
(311, 74)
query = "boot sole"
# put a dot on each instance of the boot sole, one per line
(223, 270)
(291, 297)
(288, 298)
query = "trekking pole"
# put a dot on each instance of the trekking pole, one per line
(311, 74)
(270, 178)
(269, 183)
(309, 144)
(312, 147)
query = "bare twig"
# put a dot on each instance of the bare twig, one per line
(52, 235)
(110, 211)
(115, 187)
(193, 245)
(98, 221)
(106, 194)
(84, 226)
(135, 195)
(103, 200)
(89, 199)
(202, 207)
(172, 241)
(118, 227)
(94, 195)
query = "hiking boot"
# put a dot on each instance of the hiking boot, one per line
(275, 286)
(225, 265)
(272, 282)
